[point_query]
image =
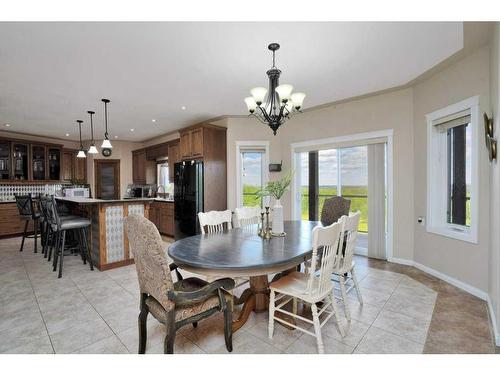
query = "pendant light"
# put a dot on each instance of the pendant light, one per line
(106, 143)
(81, 153)
(92, 149)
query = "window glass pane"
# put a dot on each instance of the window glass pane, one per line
(304, 185)
(252, 180)
(162, 174)
(328, 176)
(459, 174)
(354, 181)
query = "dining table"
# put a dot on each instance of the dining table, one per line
(241, 252)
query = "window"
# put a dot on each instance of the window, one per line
(162, 174)
(251, 172)
(337, 171)
(452, 171)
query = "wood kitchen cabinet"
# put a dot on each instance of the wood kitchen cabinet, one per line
(173, 157)
(73, 168)
(162, 215)
(192, 143)
(139, 161)
(10, 223)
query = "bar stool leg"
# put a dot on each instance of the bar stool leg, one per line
(45, 249)
(53, 239)
(87, 248)
(35, 226)
(82, 248)
(56, 251)
(24, 235)
(61, 255)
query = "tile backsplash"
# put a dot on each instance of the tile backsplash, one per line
(7, 191)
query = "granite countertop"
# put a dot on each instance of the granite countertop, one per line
(80, 200)
(163, 200)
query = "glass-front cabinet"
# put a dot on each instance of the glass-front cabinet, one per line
(54, 155)
(38, 161)
(20, 161)
(5, 164)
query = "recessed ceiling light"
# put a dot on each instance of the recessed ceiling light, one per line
(183, 107)
(153, 120)
(116, 136)
(7, 125)
(132, 129)
(67, 134)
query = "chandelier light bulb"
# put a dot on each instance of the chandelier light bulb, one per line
(258, 93)
(251, 104)
(284, 92)
(298, 99)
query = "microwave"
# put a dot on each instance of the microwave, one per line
(77, 192)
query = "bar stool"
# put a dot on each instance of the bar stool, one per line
(27, 212)
(59, 225)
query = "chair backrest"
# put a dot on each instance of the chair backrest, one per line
(215, 221)
(51, 211)
(44, 206)
(333, 209)
(325, 246)
(151, 262)
(347, 245)
(247, 216)
(24, 205)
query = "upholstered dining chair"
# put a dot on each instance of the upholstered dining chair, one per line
(174, 304)
(312, 287)
(245, 216)
(333, 209)
(344, 268)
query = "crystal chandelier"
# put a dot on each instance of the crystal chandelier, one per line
(277, 105)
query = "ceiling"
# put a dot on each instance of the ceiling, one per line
(52, 73)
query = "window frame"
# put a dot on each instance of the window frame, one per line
(437, 167)
(241, 146)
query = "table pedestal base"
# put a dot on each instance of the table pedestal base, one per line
(256, 299)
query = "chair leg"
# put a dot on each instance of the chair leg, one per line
(168, 345)
(356, 285)
(80, 245)
(88, 255)
(228, 327)
(56, 251)
(344, 297)
(195, 324)
(335, 308)
(24, 234)
(46, 242)
(53, 244)
(294, 306)
(272, 306)
(143, 331)
(317, 328)
(35, 226)
(61, 255)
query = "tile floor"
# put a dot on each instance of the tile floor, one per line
(405, 311)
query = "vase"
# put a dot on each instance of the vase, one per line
(278, 218)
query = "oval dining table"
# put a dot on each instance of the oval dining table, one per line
(240, 252)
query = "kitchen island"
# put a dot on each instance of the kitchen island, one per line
(108, 239)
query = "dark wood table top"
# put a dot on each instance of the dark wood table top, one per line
(243, 252)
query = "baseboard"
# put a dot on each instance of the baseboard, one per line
(405, 262)
(494, 326)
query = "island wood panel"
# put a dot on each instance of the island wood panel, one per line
(10, 223)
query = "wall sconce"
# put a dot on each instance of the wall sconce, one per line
(491, 143)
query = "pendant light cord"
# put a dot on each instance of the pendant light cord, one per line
(106, 119)
(92, 129)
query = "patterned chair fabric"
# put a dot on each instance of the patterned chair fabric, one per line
(333, 209)
(151, 262)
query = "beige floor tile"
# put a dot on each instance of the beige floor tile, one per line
(41, 345)
(378, 341)
(57, 321)
(181, 346)
(402, 325)
(364, 313)
(79, 336)
(109, 345)
(411, 305)
(282, 337)
(307, 344)
(354, 331)
(373, 297)
(380, 284)
(246, 343)
(21, 335)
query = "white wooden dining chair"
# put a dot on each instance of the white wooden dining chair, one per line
(215, 221)
(344, 270)
(311, 287)
(245, 216)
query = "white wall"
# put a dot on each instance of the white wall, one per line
(461, 260)
(494, 254)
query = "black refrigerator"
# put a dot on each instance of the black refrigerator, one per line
(188, 197)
